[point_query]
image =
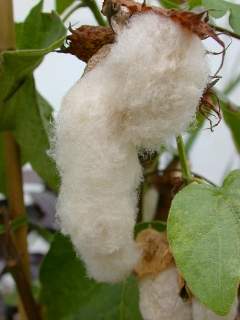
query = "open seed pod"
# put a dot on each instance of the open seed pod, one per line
(159, 283)
(144, 91)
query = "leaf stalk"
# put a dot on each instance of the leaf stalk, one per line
(186, 172)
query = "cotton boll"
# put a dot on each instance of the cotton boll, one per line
(159, 298)
(144, 91)
(200, 312)
(116, 266)
(158, 72)
(97, 202)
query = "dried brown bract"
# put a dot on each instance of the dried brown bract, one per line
(84, 42)
(210, 106)
(156, 255)
(195, 22)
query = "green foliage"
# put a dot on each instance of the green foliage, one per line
(30, 130)
(40, 30)
(40, 34)
(169, 4)
(68, 294)
(203, 230)
(194, 3)
(218, 8)
(232, 119)
(22, 109)
(62, 5)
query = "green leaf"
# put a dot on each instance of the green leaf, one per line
(204, 235)
(169, 4)
(67, 293)
(40, 34)
(40, 30)
(28, 116)
(194, 3)
(32, 133)
(62, 5)
(21, 109)
(219, 8)
(232, 119)
(43, 232)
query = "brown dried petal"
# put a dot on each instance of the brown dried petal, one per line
(194, 22)
(85, 41)
(156, 255)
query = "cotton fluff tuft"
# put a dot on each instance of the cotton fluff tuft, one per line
(159, 298)
(146, 90)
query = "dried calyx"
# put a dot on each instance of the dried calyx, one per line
(156, 255)
(160, 284)
(85, 41)
(118, 12)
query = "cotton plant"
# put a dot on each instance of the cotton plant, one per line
(146, 82)
(137, 93)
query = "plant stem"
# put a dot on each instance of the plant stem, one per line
(15, 194)
(92, 5)
(186, 172)
(140, 202)
(71, 11)
(12, 154)
(227, 32)
(16, 267)
(194, 134)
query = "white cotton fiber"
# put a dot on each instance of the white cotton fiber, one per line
(160, 300)
(200, 312)
(146, 90)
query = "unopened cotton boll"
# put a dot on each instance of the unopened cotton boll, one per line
(200, 312)
(145, 90)
(160, 300)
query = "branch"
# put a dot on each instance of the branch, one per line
(78, 6)
(92, 5)
(16, 267)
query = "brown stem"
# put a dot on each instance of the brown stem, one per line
(140, 202)
(13, 170)
(16, 267)
(15, 194)
(227, 32)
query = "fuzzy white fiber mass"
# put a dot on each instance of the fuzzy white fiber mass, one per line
(146, 90)
(160, 300)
